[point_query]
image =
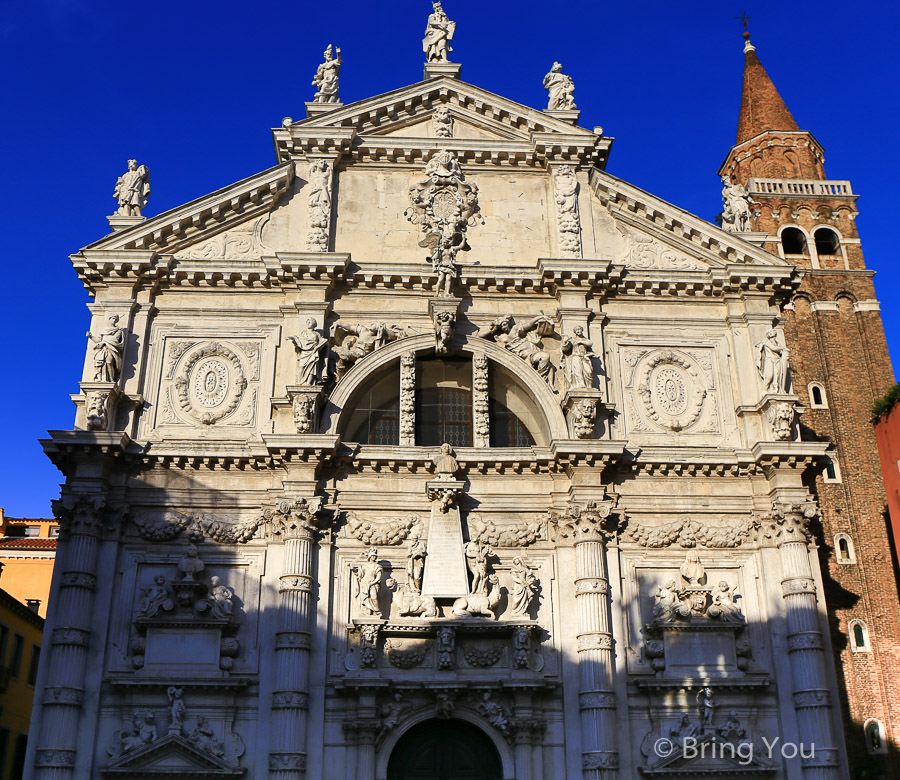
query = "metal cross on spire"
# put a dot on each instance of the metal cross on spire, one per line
(744, 19)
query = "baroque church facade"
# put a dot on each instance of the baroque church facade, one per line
(436, 451)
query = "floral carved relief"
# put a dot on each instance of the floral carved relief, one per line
(670, 391)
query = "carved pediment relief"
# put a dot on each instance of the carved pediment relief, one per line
(458, 123)
(171, 756)
(242, 242)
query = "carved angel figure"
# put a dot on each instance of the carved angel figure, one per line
(327, 76)
(731, 728)
(108, 350)
(444, 327)
(523, 590)
(368, 577)
(176, 708)
(560, 88)
(156, 597)
(219, 600)
(667, 601)
(685, 729)
(143, 732)
(577, 353)
(524, 340)
(132, 190)
(438, 34)
(772, 363)
(736, 216)
(706, 706)
(204, 738)
(310, 346)
(361, 340)
(723, 604)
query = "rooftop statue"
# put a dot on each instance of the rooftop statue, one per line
(132, 190)
(326, 78)
(438, 34)
(560, 88)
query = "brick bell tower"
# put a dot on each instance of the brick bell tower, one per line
(840, 366)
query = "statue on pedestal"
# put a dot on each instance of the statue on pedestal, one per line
(326, 78)
(132, 190)
(108, 350)
(310, 346)
(772, 363)
(560, 88)
(438, 34)
(577, 353)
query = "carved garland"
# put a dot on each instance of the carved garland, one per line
(481, 401)
(408, 399)
(690, 533)
(211, 383)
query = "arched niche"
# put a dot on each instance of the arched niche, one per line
(461, 715)
(524, 392)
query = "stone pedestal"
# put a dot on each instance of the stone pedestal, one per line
(757, 239)
(774, 418)
(314, 108)
(100, 401)
(437, 306)
(435, 69)
(117, 222)
(305, 403)
(569, 116)
(584, 409)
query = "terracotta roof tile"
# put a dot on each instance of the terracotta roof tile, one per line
(28, 543)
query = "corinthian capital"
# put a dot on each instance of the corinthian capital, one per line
(589, 522)
(792, 520)
(293, 518)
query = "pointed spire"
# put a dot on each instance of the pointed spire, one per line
(761, 106)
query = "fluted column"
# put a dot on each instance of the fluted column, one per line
(585, 527)
(293, 523)
(81, 521)
(812, 697)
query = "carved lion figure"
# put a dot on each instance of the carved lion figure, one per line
(479, 604)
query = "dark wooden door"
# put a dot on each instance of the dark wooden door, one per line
(444, 750)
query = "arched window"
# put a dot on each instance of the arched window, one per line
(507, 430)
(817, 396)
(827, 242)
(875, 738)
(832, 471)
(376, 416)
(859, 637)
(444, 403)
(444, 407)
(793, 241)
(843, 547)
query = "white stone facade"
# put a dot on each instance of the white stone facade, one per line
(265, 579)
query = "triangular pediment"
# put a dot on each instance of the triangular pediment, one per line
(171, 756)
(237, 208)
(709, 755)
(646, 233)
(414, 104)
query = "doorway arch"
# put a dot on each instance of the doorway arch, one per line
(444, 750)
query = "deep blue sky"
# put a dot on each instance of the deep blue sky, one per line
(191, 88)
